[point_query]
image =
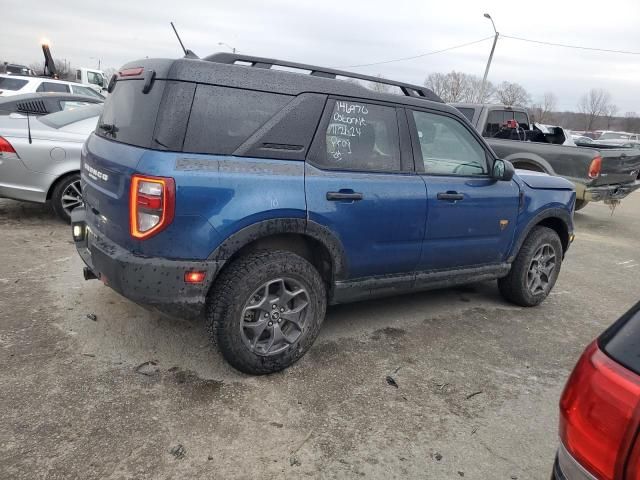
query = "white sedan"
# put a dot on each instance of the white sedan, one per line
(18, 84)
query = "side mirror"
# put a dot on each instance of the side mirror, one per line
(503, 170)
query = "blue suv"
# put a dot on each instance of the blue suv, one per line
(254, 192)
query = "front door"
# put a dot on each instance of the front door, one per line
(470, 216)
(360, 184)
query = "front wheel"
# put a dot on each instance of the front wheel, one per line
(67, 195)
(535, 270)
(265, 310)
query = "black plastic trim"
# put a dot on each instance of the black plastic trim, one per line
(548, 213)
(279, 226)
(397, 284)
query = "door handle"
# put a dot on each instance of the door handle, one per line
(352, 196)
(451, 196)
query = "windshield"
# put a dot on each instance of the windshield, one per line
(90, 92)
(12, 84)
(614, 136)
(66, 117)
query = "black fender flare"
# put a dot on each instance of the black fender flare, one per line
(275, 226)
(559, 213)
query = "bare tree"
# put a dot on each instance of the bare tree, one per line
(593, 105)
(542, 112)
(512, 94)
(438, 84)
(475, 88)
(631, 122)
(610, 112)
(457, 87)
(379, 87)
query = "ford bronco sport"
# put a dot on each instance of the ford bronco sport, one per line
(254, 192)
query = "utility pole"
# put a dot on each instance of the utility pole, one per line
(486, 71)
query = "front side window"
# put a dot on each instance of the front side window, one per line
(53, 87)
(447, 147)
(95, 78)
(89, 92)
(362, 137)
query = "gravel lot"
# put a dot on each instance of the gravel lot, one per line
(478, 379)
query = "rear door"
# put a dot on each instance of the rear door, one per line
(471, 216)
(360, 184)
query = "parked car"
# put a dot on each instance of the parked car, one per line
(599, 174)
(40, 158)
(600, 408)
(44, 103)
(14, 69)
(619, 138)
(581, 139)
(254, 197)
(17, 84)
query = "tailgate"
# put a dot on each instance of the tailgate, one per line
(107, 167)
(619, 165)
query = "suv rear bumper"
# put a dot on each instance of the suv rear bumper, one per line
(156, 283)
(610, 192)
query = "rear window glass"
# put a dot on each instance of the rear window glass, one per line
(66, 117)
(12, 84)
(129, 115)
(223, 118)
(53, 87)
(622, 343)
(497, 118)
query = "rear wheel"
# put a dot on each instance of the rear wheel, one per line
(580, 204)
(535, 270)
(67, 195)
(265, 311)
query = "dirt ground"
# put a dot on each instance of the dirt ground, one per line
(478, 379)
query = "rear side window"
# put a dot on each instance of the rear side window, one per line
(53, 87)
(361, 137)
(129, 115)
(12, 84)
(223, 118)
(497, 118)
(467, 112)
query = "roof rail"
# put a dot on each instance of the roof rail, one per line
(408, 89)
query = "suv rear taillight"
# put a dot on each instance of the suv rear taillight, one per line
(596, 167)
(151, 205)
(598, 412)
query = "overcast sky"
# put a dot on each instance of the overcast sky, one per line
(350, 32)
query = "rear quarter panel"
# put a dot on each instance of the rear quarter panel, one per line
(217, 196)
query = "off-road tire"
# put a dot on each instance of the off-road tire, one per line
(58, 192)
(580, 204)
(236, 285)
(514, 287)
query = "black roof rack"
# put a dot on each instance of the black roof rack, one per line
(408, 89)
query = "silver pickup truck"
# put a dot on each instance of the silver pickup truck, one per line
(599, 173)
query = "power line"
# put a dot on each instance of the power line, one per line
(417, 56)
(570, 46)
